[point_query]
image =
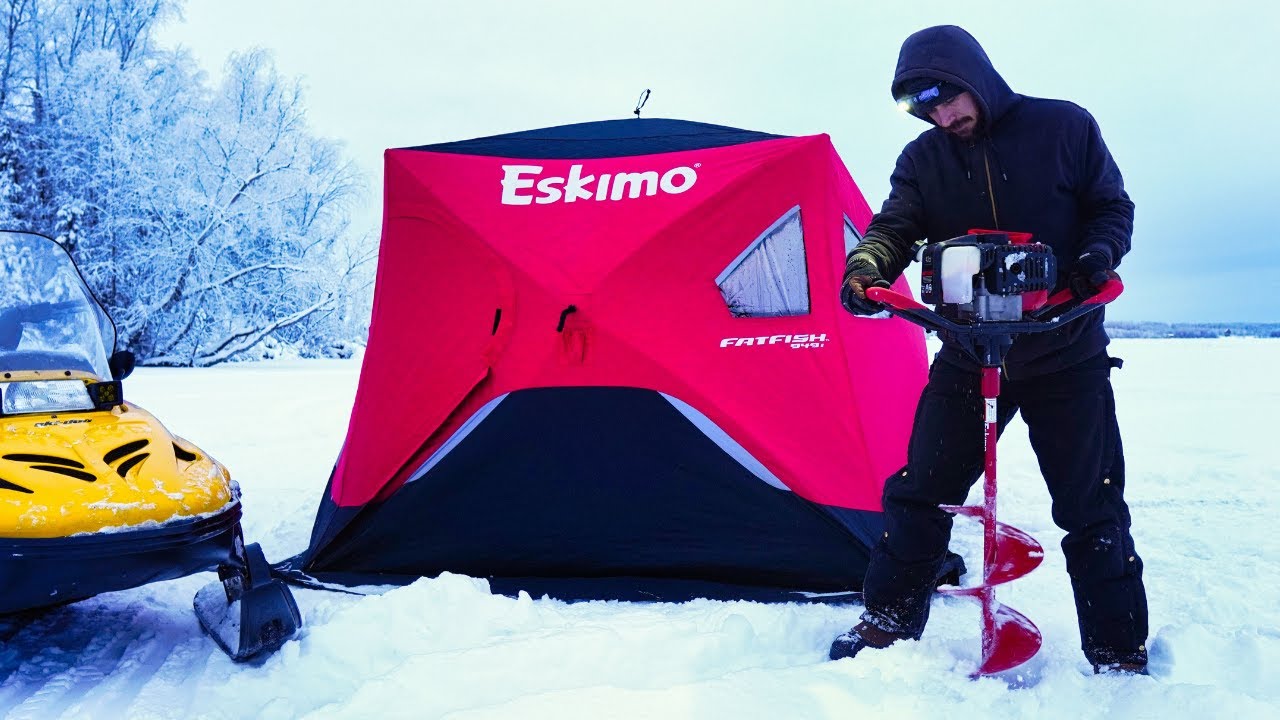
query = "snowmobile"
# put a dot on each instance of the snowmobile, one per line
(95, 494)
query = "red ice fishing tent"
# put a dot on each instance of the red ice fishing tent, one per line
(609, 360)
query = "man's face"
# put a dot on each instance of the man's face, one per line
(958, 116)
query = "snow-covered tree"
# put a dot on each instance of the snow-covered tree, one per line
(208, 220)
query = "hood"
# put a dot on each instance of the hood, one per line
(85, 472)
(948, 52)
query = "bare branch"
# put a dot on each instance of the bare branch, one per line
(244, 340)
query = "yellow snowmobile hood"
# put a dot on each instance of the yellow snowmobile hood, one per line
(85, 472)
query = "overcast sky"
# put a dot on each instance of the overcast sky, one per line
(1188, 97)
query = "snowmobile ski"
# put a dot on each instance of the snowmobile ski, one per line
(248, 612)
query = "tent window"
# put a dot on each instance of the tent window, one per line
(769, 277)
(851, 236)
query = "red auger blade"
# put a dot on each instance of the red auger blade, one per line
(1017, 554)
(1008, 637)
(1014, 641)
(975, 511)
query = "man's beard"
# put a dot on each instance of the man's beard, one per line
(964, 128)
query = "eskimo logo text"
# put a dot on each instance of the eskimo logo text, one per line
(524, 184)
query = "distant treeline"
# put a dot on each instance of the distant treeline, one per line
(1191, 330)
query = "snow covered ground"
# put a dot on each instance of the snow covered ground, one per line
(1204, 485)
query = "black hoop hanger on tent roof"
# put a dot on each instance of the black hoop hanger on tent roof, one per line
(644, 98)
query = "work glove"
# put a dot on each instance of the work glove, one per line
(859, 275)
(1092, 270)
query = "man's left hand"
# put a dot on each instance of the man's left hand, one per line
(1091, 272)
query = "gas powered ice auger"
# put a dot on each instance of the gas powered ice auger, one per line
(988, 287)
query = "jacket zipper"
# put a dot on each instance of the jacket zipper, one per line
(991, 193)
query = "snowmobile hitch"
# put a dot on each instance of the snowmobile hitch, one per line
(1008, 638)
(248, 612)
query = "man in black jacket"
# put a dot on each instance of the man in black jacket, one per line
(996, 159)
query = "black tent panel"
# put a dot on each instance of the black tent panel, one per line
(562, 485)
(606, 138)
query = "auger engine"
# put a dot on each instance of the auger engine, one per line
(986, 277)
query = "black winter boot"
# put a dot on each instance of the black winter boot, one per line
(1133, 668)
(863, 635)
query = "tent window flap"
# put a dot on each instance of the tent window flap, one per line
(769, 277)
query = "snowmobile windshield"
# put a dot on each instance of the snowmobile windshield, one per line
(48, 318)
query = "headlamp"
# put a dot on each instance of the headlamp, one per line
(924, 100)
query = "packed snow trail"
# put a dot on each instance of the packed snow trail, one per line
(93, 658)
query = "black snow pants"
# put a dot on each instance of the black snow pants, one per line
(1071, 419)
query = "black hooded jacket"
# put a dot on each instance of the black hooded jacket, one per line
(1035, 165)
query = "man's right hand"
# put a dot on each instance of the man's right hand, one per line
(860, 275)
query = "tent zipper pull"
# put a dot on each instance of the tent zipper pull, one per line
(564, 314)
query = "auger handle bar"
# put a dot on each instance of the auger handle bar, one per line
(1062, 307)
